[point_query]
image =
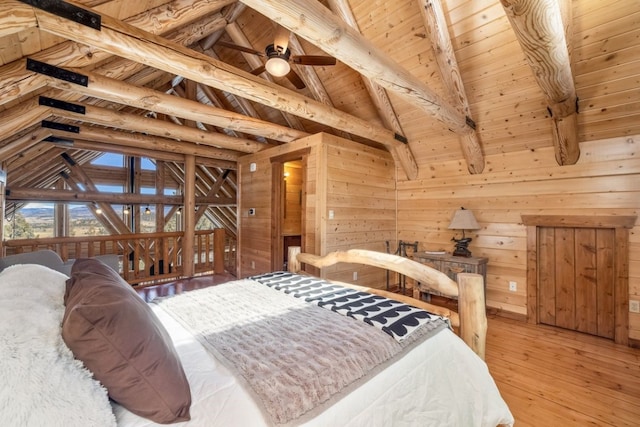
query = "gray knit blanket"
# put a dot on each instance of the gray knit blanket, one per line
(294, 356)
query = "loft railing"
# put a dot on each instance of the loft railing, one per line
(145, 258)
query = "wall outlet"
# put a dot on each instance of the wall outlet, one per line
(355, 275)
(634, 306)
(253, 265)
(513, 286)
(331, 214)
(252, 211)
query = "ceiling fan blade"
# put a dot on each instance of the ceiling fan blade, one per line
(281, 38)
(240, 48)
(259, 70)
(313, 60)
(295, 79)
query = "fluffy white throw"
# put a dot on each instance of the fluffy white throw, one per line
(42, 383)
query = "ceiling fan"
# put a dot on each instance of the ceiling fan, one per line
(279, 58)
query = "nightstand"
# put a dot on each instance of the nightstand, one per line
(451, 266)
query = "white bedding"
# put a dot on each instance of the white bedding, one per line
(439, 383)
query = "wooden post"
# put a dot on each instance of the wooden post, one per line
(61, 214)
(189, 215)
(294, 264)
(472, 310)
(218, 250)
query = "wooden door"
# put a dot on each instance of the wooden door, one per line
(576, 279)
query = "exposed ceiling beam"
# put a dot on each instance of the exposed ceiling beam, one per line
(169, 20)
(311, 20)
(121, 39)
(378, 95)
(23, 143)
(152, 145)
(539, 29)
(436, 26)
(148, 99)
(106, 198)
(112, 118)
(376, 92)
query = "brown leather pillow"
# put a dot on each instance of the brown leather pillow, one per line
(119, 338)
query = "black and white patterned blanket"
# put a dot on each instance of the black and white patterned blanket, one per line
(397, 319)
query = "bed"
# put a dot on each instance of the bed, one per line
(425, 375)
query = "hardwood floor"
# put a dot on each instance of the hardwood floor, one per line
(548, 376)
(555, 377)
(173, 288)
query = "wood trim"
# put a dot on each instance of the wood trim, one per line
(532, 274)
(288, 157)
(621, 288)
(277, 170)
(589, 221)
(498, 312)
(621, 225)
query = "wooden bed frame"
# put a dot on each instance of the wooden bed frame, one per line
(471, 318)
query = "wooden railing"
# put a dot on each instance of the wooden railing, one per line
(145, 258)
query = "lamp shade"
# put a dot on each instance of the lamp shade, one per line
(277, 67)
(463, 219)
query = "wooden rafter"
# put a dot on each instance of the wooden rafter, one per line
(314, 22)
(149, 143)
(436, 26)
(119, 38)
(148, 99)
(168, 20)
(539, 29)
(108, 117)
(377, 93)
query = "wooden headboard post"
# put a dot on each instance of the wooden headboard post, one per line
(472, 310)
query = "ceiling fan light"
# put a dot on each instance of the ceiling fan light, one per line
(277, 67)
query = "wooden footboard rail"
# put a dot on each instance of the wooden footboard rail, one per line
(471, 317)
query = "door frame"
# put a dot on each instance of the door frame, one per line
(620, 225)
(277, 211)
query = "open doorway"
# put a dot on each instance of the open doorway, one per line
(288, 202)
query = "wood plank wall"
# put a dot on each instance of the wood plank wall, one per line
(356, 182)
(605, 181)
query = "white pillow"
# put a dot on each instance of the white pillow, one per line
(42, 383)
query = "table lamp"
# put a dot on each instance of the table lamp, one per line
(463, 219)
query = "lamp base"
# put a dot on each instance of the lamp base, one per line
(463, 252)
(461, 247)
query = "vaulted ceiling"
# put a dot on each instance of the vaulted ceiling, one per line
(430, 81)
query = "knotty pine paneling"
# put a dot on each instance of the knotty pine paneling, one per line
(356, 182)
(603, 182)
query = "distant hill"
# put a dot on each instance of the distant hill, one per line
(42, 212)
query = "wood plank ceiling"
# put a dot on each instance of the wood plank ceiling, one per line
(429, 80)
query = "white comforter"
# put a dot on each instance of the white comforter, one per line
(439, 383)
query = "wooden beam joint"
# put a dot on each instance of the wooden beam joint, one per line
(60, 126)
(401, 138)
(61, 105)
(68, 11)
(57, 72)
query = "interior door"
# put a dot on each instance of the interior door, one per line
(288, 213)
(576, 279)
